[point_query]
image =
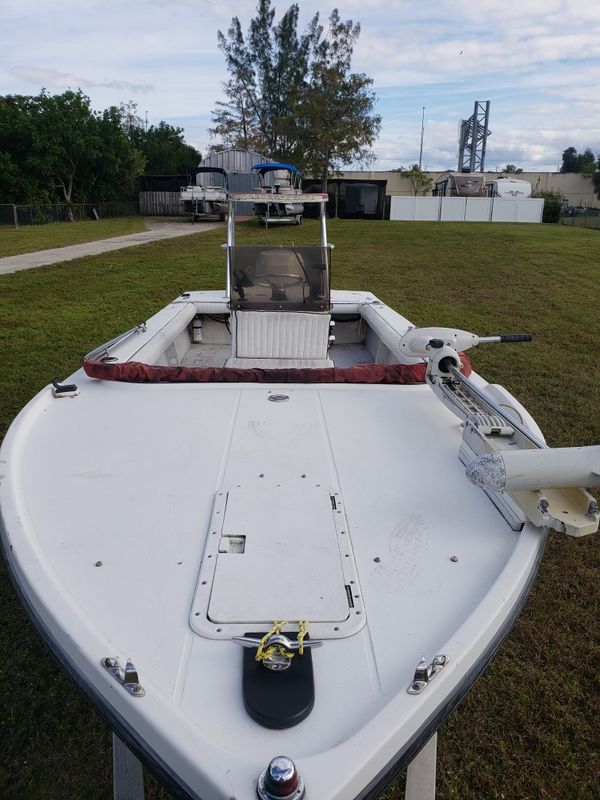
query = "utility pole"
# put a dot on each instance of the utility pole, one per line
(422, 134)
(146, 124)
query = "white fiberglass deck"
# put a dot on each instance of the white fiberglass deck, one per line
(109, 508)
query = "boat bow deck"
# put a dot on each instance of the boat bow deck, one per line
(115, 520)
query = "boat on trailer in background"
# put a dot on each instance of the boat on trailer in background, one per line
(278, 187)
(245, 531)
(206, 200)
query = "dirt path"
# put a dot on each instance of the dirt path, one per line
(158, 228)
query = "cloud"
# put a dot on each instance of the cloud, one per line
(422, 59)
(51, 78)
(538, 61)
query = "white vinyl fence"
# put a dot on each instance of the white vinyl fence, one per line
(466, 209)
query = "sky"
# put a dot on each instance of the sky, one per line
(537, 61)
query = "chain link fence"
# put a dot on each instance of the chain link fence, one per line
(16, 215)
(581, 217)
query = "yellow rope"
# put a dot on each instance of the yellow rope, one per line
(264, 653)
(302, 631)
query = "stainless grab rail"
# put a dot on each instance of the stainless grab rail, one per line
(104, 349)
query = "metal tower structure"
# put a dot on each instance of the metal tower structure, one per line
(472, 138)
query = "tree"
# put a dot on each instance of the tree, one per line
(512, 169)
(294, 95)
(267, 70)
(162, 146)
(586, 162)
(116, 171)
(57, 149)
(235, 122)
(130, 120)
(164, 149)
(70, 142)
(22, 180)
(59, 144)
(583, 163)
(572, 161)
(595, 178)
(336, 111)
(419, 181)
(569, 160)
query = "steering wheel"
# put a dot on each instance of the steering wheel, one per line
(283, 279)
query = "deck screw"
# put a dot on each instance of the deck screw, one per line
(453, 558)
(377, 559)
(98, 564)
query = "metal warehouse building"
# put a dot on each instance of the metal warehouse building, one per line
(238, 166)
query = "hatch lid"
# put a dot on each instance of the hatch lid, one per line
(277, 552)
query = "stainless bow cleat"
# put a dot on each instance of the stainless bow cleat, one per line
(426, 672)
(127, 676)
(279, 659)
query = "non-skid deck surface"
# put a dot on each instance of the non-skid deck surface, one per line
(346, 355)
(219, 355)
(206, 355)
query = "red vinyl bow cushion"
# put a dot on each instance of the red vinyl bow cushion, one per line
(136, 372)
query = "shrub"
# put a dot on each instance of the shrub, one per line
(553, 203)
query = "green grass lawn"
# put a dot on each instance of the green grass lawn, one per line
(29, 238)
(529, 727)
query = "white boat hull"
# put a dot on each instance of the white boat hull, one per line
(106, 511)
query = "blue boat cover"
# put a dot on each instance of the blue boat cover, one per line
(273, 166)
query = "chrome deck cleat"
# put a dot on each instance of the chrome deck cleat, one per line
(284, 649)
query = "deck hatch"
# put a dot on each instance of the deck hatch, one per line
(277, 552)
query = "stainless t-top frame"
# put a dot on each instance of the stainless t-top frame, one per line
(257, 197)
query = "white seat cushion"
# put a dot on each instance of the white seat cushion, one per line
(281, 334)
(279, 363)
